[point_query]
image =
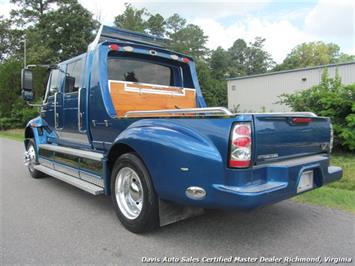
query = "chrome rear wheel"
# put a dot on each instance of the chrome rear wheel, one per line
(133, 195)
(129, 193)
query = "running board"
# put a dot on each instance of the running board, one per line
(88, 187)
(75, 152)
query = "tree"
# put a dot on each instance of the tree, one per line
(220, 62)
(10, 39)
(156, 25)
(258, 60)
(190, 40)
(214, 90)
(238, 53)
(314, 54)
(66, 31)
(132, 19)
(175, 23)
(31, 10)
(249, 59)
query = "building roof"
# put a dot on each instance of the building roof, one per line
(291, 70)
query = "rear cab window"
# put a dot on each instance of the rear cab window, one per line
(146, 82)
(135, 70)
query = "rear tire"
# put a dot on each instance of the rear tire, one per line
(133, 195)
(32, 151)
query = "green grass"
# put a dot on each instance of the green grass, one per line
(339, 195)
(327, 196)
(15, 134)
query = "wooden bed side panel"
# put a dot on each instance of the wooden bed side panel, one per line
(128, 96)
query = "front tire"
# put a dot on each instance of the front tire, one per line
(33, 160)
(133, 195)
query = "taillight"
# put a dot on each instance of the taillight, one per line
(240, 146)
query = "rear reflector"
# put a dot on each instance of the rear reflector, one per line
(240, 146)
(239, 164)
(301, 120)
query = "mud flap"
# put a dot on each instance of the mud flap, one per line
(171, 213)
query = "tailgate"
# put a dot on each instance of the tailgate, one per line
(280, 136)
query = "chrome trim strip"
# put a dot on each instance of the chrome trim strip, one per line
(56, 115)
(282, 114)
(45, 162)
(254, 189)
(94, 179)
(91, 188)
(81, 153)
(66, 169)
(208, 110)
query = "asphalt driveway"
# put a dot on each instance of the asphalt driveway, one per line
(49, 222)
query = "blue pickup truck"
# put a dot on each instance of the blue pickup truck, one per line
(128, 119)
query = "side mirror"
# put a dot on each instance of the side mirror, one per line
(27, 84)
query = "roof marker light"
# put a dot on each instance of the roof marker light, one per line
(174, 56)
(128, 48)
(185, 60)
(114, 47)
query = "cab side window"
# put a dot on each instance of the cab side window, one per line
(54, 82)
(53, 85)
(73, 76)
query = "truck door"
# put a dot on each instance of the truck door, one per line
(74, 104)
(52, 107)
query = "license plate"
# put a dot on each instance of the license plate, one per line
(306, 181)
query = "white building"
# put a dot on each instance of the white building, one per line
(259, 93)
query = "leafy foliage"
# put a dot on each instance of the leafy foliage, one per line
(333, 99)
(57, 30)
(241, 59)
(132, 19)
(314, 54)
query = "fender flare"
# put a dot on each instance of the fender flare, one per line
(31, 131)
(168, 149)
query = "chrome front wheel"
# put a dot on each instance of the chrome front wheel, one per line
(31, 159)
(129, 193)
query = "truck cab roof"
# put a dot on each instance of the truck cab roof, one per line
(109, 34)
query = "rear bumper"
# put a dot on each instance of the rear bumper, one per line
(280, 182)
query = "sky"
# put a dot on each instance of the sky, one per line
(284, 24)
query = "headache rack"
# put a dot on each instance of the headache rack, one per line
(107, 33)
(208, 111)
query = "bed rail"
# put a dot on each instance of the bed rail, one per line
(210, 111)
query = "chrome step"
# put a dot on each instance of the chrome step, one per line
(88, 187)
(76, 152)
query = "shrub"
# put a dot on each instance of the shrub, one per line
(333, 99)
(19, 115)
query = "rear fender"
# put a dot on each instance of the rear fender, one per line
(176, 156)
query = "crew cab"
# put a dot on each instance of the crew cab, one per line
(128, 119)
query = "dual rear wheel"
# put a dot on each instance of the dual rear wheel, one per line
(133, 195)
